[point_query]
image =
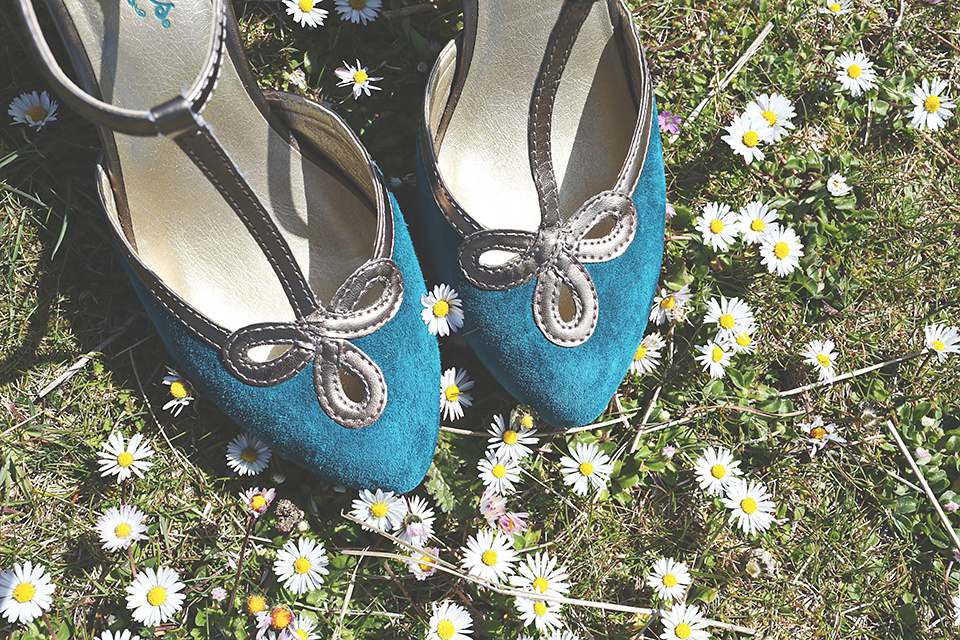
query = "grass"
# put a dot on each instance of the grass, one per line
(857, 553)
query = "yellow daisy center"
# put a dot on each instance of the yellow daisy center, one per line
(932, 104)
(255, 604)
(669, 580)
(668, 302)
(727, 321)
(280, 618)
(122, 530)
(302, 634)
(301, 565)
(452, 394)
(445, 629)
(510, 436)
(743, 339)
(258, 503)
(36, 114)
(836, 6)
(717, 354)
(498, 471)
(526, 421)
(360, 77)
(682, 630)
(818, 433)
(938, 345)
(306, 5)
(125, 459)
(249, 454)
(179, 390)
(641, 353)
(716, 226)
(489, 557)
(539, 608)
(757, 225)
(24, 592)
(854, 71)
(540, 584)
(751, 139)
(823, 360)
(157, 596)
(378, 509)
(586, 468)
(749, 505)
(770, 117)
(718, 471)
(781, 250)
(358, 4)
(425, 563)
(441, 308)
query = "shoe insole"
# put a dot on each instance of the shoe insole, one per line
(484, 157)
(184, 230)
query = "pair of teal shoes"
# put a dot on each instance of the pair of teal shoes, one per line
(278, 269)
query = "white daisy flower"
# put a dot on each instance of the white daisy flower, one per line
(489, 555)
(539, 573)
(258, 500)
(646, 359)
(453, 383)
(669, 579)
(304, 628)
(381, 509)
(560, 634)
(513, 522)
(777, 111)
(442, 312)
(362, 11)
(33, 110)
(181, 392)
(837, 185)
(422, 566)
(543, 614)
(154, 596)
(941, 340)
(121, 460)
(492, 505)
(781, 250)
(119, 528)
(123, 634)
(301, 565)
(684, 623)
(449, 622)
(751, 505)
(670, 306)
(821, 355)
(754, 220)
(717, 226)
(358, 77)
(745, 135)
(715, 469)
(499, 474)
(743, 341)
(855, 73)
(278, 621)
(837, 7)
(507, 442)
(247, 455)
(417, 525)
(25, 592)
(714, 357)
(306, 12)
(932, 105)
(819, 434)
(731, 315)
(587, 466)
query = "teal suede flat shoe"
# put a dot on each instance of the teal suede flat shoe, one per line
(260, 237)
(542, 195)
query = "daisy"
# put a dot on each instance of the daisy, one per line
(255, 604)
(754, 220)
(715, 469)
(669, 579)
(512, 522)
(587, 466)
(33, 110)
(955, 600)
(931, 104)
(489, 555)
(453, 383)
(449, 622)
(730, 315)
(305, 628)
(258, 500)
(306, 12)
(777, 111)
(717, 226)
(119, 459)
(742, 341)
(301, 565)
(154, 596)
(543, 614)
(510, 443)
(856, 73)
(381, 509)
(820, 434)
(247, 455)
(941, 340)
(362, 11)
(279, 621)
(646, 359)
(442, 312)
(119, 528)
(670, 306)
(684, 622)
(821, 355)
(837, 7)
(746, 133)
(358, 77)
(417, 525)
(751, 505)
(539, 573)
(25, 592)
(715, 358)
(181, 393)
(781, 250)
(499, 474)
(124, 634)
(837, 185)
(561, 634)
(492, 505)
(522, 417)
(422, 566)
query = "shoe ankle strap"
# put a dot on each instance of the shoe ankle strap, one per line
(168, 119)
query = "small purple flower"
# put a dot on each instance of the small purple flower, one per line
(669, 122)
(218, 593)
(951, 506)
(922, 453)
(513, 522)
(670, 211)
(668, 451)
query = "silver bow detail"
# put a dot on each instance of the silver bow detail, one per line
(322, 338)
(599, 231)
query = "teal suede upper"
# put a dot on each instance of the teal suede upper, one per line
(568, 386)
(394, 452)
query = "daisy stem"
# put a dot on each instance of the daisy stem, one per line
(847, 376)
(923, 364)
(133, 566)
(243, 550)
(53, 634)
